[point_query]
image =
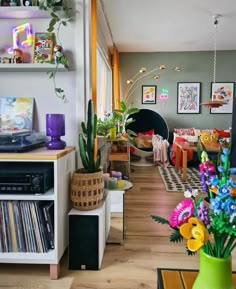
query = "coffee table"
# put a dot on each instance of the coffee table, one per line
(184, 147)
(179, 278)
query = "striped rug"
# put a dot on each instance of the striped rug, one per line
(173, 179)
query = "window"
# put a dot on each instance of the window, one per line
(104, 85)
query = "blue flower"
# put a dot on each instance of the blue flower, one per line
(220, 169)
(216, 205)
(214, 180)
(223, 191)
(226, 151)
(230, 206)
(231, 183)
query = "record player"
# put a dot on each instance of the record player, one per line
(20, 140)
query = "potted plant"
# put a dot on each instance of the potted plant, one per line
(122, 117)
(104, 125)
(87, 183)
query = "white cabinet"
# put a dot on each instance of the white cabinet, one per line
(64, 164)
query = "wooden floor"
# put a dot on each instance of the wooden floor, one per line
(129, 266)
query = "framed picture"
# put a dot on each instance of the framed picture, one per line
(223, 91)
(16, 113)
(149, 94)
(43, 47)
(188, 97)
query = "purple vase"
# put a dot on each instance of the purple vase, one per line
(55, 128)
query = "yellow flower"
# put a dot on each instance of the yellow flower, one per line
(195, 232)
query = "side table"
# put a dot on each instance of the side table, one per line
(116, 203)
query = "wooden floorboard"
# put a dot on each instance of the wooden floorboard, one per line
(129, 266)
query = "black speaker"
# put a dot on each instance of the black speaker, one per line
(87, 238)
(83, 242)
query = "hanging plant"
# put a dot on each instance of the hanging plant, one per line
(60, 15)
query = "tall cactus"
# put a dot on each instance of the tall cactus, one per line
(90, 160)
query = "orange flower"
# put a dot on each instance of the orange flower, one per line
(195, 232)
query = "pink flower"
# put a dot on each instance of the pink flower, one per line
(182, 212)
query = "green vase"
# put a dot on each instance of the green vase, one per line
(214, 273)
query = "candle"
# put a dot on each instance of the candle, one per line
(120, 184)
(106, 177)
(112, 183)
(116, 174)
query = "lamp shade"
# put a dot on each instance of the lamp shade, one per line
(55, 124)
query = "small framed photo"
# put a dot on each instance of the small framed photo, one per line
(188, 97)
(149, 94)
(43, 47)
(223, 91)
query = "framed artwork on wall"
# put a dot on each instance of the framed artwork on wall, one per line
(43, 47)
(188, 97)
(149, 94)
(223, 91)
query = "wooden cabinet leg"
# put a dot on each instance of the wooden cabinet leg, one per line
(54, 271)
(184, 165)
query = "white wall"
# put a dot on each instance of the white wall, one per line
(39, 86)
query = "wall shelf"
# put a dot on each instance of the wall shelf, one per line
(23, 12)
(31, 67)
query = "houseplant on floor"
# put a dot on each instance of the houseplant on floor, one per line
(87, 183)
(210, 227)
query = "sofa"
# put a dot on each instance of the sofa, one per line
(192, 135)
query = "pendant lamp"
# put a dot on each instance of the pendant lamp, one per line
(214, 103)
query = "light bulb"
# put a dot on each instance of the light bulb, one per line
(176, 68)
(156, 76)
(143, 69)
(162, 66)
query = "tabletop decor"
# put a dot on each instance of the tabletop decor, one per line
(208, 227)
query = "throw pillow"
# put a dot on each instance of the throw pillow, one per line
(184, 131)
(143, 141)
(146, 133)
(209, 136)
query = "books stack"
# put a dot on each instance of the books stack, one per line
(26, 226)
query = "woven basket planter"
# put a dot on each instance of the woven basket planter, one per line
(86, 190)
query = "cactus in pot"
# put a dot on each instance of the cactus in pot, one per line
(87, 185)
(91, 160)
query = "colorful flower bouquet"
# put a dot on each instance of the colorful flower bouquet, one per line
(211, 224)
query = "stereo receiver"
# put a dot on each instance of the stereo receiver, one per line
(26, 177)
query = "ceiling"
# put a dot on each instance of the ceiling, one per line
(170, 25)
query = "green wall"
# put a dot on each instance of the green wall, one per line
(195, 67)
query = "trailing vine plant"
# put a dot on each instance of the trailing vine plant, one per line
(59, 17)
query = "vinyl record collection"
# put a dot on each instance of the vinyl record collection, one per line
(26, 226)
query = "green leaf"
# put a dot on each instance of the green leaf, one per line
(176, 237)
(160, 220)
(59, 90)
(132, 110)
(50, 74)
